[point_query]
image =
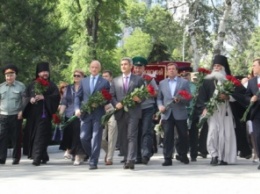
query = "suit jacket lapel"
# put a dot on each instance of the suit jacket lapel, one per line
(87, 85)
(131, 83)
(121, 83)
(255, 85)
(97, 83)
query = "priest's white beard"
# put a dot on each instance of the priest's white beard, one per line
(217, 75)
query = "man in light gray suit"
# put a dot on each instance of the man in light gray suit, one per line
(175, 115)
(127, 121)
(91, 129)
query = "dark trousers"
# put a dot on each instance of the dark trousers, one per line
(203, 139)
(168, 142)
(145, 135)
(193, 137)
(256, 133)
(129, 132)
(9, 130)
(241, 137)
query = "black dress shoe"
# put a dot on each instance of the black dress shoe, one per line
(2, 161)
(202, 155)
(126, 166)
(193, 160)
(15, 161)
(245, 155)
(223, 163)
(214, 161)
(93, 167)
(129, 165)
(167, 163)
(177, 157)
(184, 159)
(145, 160)
(123, 161)
(44, 161)
(36, 163)
(138, 161)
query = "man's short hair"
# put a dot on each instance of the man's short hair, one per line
(172, 64)
(109, 72)
(258, 60)
(130, 61)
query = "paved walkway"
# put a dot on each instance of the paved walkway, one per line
(60, 176)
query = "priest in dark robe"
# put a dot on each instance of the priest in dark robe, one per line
(42, 101)
(221, 139)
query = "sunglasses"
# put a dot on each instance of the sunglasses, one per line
(76, 75)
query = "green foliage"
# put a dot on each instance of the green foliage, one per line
(149, 27)
(29, 33)
(93, 27)
(159, 53)
(138, 44)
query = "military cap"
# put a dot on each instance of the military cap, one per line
(10, 68)
(139, 61)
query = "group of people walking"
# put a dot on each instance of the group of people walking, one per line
(129, 128)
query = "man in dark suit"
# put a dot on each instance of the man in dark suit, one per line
(252, 89)
(127, 121)
(174, 116)
(91, 129)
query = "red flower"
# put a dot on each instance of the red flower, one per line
(184, 94)
(43, 82)
(204, 71)
(234, 80)
(258, 85)
(106, 94)
(150, 89)
(147, 78)
(56, 119)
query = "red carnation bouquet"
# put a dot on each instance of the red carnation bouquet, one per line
(147, 78)
(182, 94)
(57, 134)
(41, 86)
(97, 99)
(143, 92)
(250, 105)
(227, 87)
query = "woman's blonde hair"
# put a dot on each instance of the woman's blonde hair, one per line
(61, 86)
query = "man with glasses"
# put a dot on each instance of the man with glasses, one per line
(11, 95)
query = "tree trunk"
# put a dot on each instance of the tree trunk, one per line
(218, 48)
(92, 24)
(192, 33)
(196, 55)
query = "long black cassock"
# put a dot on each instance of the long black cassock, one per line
(38, 128)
